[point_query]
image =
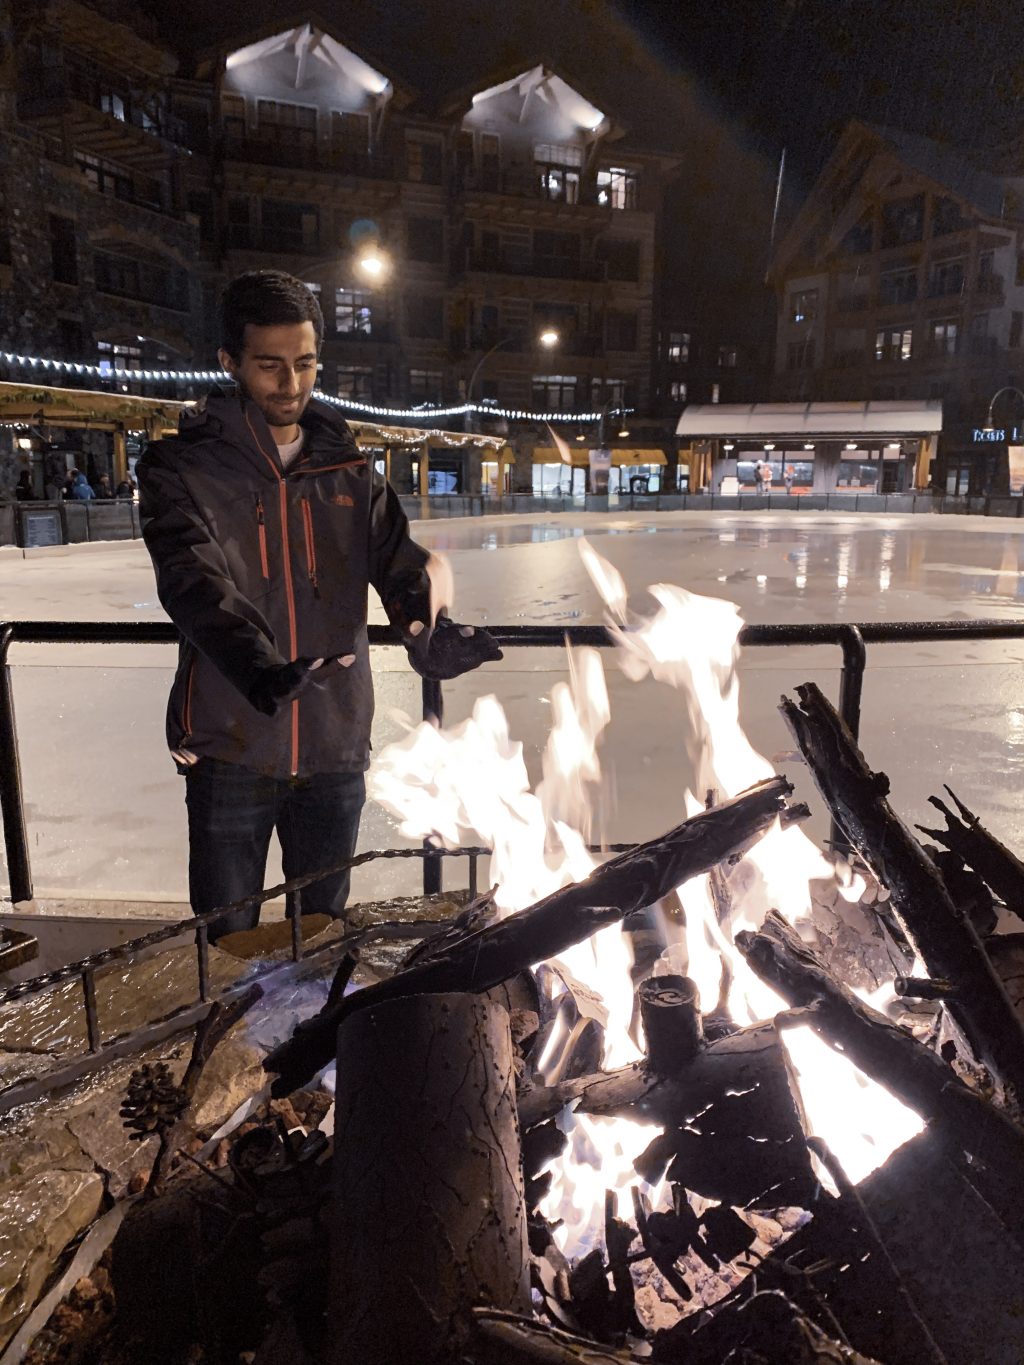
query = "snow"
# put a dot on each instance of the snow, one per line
(105, 807)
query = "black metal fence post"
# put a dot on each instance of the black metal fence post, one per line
(851, 687)
(433, 712)
(12, 806)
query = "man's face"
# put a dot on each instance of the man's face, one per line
(277, 369)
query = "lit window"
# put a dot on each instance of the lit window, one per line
(677, 391)
(894, 343)
(679, 347)
(554, 392)
(728, 357)
(617, 188)
(803, 305)
(352, 311)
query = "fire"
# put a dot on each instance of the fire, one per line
(470, 784)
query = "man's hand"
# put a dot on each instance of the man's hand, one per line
(449, 650)
(276, 686)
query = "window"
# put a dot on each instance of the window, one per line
(352, 312)
(947, 217)
(313, 288)
(289, 227)
(424, 316)
(894, 343)
(147, 281)
(678, 349)
(425, 386)
(63, 250)
(232, 116)
(292, 125)
(554, 392)
(116, 355)
(852, 293)
(621, 256)
(947, 277)
(803, 305)
(554, 250)
(355, 381)
(1016, 323)
(897, 286)
(617, 188)
(800, 354)
(351, 132)
(620, 331)
(988, 281)
(490, 161)
(848, 346)
(860, 238)
(558, 167)
(728, 357)
(902, 220)
(424, 239)
(677, 391)
(610, 392)
(942, 336)
(423, 160)
(69, 338)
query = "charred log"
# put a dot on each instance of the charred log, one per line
(670, 1010)
(963, 1119)
(767, 1328)
(967, 837)
(944, 937)
(428, 1190)
(482, 959)
(494, 1338)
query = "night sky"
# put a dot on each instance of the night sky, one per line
(794, 71)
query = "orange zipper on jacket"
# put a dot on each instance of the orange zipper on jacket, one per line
(186, 710)
(261, 526)
(307, 527)
(289, 587)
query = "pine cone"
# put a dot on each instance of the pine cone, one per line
(152, 1103)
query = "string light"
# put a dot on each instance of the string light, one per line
(350, 404)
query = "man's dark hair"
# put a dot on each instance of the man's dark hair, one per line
(265, 298)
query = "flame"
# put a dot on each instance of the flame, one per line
(470, 784)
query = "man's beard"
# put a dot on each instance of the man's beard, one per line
(270, 416)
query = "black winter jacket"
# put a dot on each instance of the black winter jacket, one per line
(257, 566)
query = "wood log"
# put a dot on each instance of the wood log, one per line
(670, 1011)
(962, 1118)
(485, 957)
(429, 1218)
(494, 1338)
(994, 863)
(944, 937)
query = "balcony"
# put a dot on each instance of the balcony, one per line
(541, 267)
(530, 182)
(291, 155)
(277, 241)
(125, 125)
(377, 334)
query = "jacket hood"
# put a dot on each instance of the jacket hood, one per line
(225, 414)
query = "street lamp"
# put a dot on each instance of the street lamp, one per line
(374, 265)
(1007, 388)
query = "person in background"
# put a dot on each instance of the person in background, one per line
(54, 487)
(81, 488)
(103, 489)
(125, 489)
(23, 489)
(787, 477)
(266, 526)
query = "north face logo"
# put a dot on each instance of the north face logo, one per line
(342, 500)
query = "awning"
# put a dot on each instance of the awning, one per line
(39, 404)
(835, 421)
(621, 455)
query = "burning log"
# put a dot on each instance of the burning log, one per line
(670, 1010)
(485, 957)
(945, 938)
(428, 1189)
(963, 1119)
(495, 1338)
(968, 838)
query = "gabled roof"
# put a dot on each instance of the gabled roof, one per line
(865, 146)
(318, 39)
(535, 79)
(947, 167)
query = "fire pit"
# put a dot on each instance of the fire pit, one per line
(669, 1107)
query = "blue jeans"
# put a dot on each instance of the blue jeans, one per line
(232, 812)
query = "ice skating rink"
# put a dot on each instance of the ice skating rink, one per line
(106, 809)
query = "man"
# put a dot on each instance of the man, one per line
(266, 525)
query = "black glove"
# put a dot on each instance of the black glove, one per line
(276, 686)
(449, 650)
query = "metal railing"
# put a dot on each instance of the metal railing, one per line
(851, 639)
